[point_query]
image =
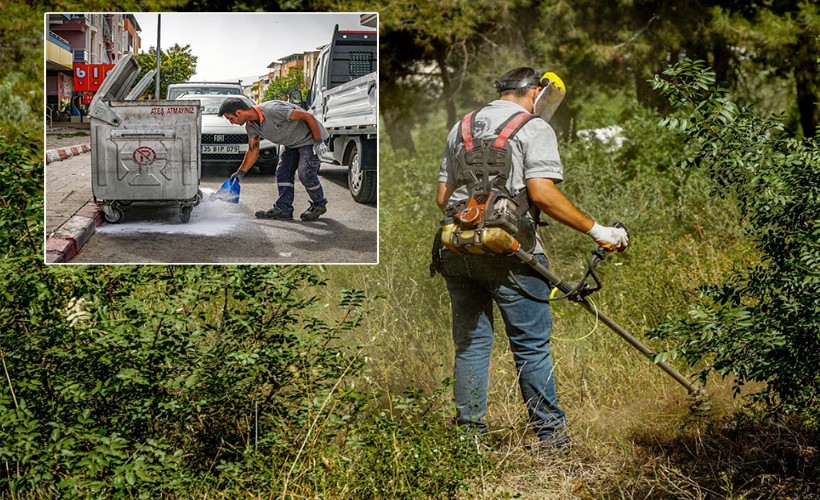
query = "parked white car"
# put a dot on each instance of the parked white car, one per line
(177, 89)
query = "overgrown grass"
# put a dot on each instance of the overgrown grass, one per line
(365, 433)
(632, 431)
(680, 238)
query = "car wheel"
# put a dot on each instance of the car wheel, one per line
(362, 183)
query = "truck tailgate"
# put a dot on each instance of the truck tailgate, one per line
(351, 105)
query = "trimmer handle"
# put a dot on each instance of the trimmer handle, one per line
(602, 252)
(623, 226)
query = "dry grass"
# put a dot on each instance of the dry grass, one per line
(633, 436)
(652, 448)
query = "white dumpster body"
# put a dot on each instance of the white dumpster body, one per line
(143, 150)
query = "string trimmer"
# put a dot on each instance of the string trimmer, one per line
(578, 293)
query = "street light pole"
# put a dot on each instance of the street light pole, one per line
(159, 52)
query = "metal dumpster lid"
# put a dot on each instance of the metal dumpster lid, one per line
(140, 87)
(119, 80)
(115, 88)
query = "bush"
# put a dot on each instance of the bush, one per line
(762, 324)
(146, 381)
(115, 375)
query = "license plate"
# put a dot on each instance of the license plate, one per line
(224, 149)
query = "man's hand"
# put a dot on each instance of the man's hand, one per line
(319, 148)
(611, 238)
(238, 175)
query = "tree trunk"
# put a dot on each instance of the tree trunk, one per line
(448, 92)
(397, 120)
(807, 83)
(807, 104)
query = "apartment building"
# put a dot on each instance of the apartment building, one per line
(76, 39)
(310, 59)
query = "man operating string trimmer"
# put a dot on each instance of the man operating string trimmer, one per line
(500, 169)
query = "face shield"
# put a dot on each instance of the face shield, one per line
(550, 96)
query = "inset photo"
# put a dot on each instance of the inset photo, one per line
(211, 138)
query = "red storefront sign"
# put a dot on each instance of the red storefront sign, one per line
(89, 77)
(87, 98)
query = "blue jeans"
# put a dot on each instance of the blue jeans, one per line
(474, 283)
(304, 162)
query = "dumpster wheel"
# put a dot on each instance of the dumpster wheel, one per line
(116, 216)
(185, 213)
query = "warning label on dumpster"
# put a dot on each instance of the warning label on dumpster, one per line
(173, 110)
(144, 156)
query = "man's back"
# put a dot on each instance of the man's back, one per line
(277, 127)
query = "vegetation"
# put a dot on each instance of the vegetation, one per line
(177, 64)
(332, 382)
(762, 323)
(281, 86)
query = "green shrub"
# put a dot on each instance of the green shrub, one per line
(412, 450)
(147, 381)
(762, 324)
(118, 374)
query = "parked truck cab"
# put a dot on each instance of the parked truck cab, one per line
(343, 96)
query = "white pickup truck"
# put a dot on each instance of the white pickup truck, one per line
(343, 97)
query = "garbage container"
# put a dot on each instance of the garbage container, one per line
(142, 150)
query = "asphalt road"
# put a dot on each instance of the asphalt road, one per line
(221, 232)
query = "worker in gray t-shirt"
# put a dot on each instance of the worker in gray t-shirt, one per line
(303, 138)
(507, 148)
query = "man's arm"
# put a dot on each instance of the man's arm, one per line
(550, 200)
(251, 155)
(445, 190)
(310, 120)
(547, 197)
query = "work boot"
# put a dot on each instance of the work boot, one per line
(313, 212)
(552, 448)
(274, 213)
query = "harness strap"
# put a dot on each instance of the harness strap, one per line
(510, 118)
(505, 131)
(511, 128)
(467, 130)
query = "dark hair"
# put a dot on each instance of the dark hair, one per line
(231, 105)
(514, 78)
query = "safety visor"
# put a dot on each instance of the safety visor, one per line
(552, 94)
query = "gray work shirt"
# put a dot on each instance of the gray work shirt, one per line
(534, 151)
(278, 128)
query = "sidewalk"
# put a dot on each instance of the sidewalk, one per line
(70, 217)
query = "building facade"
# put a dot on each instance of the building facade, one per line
(73, 39)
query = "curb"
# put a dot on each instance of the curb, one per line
(65, 153)
(67, 241)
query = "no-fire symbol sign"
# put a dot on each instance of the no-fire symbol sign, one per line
(144, 156)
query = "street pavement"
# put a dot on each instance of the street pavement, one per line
(218, 232)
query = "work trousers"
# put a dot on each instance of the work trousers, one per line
(474, 283)
(303, 161)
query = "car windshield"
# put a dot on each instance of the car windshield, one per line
(175, 92)
(211, 103)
